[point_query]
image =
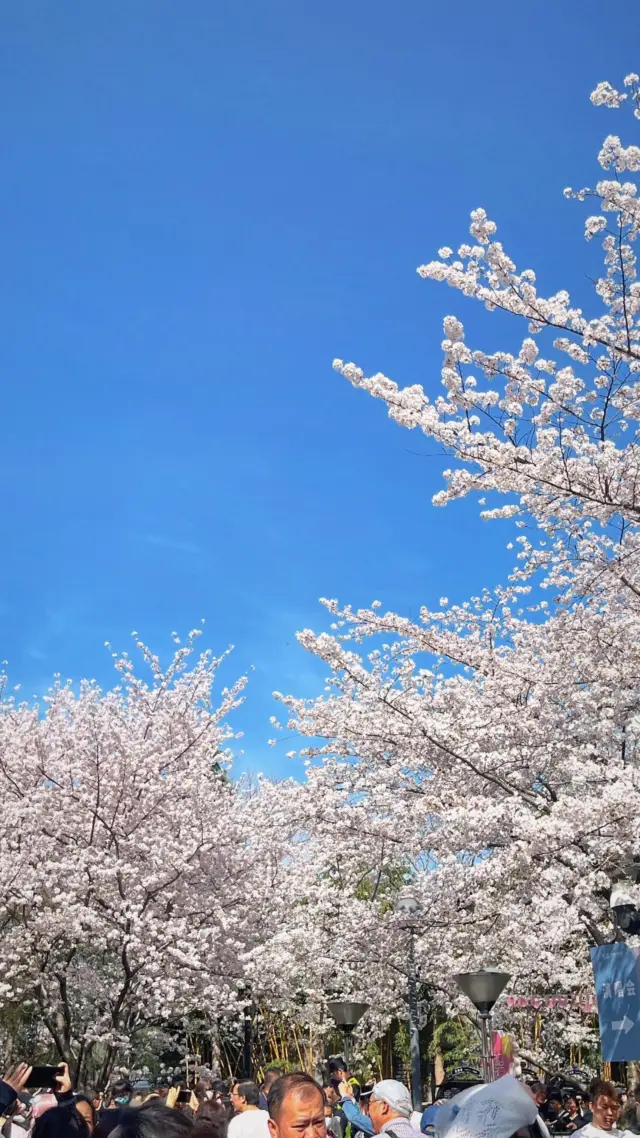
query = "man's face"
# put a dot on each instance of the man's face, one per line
(379, 1113)
(237, 1100)
(540, 1097)
(301, 1116)
(605, 1112)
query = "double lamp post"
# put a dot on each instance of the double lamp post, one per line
(482, 988)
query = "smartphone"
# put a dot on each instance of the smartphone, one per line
(185, 1095)
(44, 1077)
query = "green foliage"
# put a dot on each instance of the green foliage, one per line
(401, 1042)
(456, 1041)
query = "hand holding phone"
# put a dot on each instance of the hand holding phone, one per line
(63, 1080)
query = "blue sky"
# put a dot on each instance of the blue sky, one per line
(203, 203)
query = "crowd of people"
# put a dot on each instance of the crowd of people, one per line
(600, 1108)
(295, 1105)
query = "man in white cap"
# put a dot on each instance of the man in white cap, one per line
(390, 1109)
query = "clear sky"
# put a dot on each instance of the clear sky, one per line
(203, 202)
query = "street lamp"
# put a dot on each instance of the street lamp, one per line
(483, 989)
(409, 909)
(626, 916)
(347, 1015)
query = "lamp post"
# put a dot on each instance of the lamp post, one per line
(483, 989)
(246, 1043)
(409, 909)
(347, 1015)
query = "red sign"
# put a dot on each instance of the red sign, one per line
(585, 1004)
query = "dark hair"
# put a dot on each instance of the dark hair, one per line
(204, 1129)
(61, 1122)
(213, 1118)
(89, 1101)
(220, 1091)
(250, 1092)
(603, 1087)
(537, 1087)
(271, 1074)
(108, 1121)
(336, 1064)
(152, 1120)
(289, 1084)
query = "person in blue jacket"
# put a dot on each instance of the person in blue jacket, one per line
(358, 1119)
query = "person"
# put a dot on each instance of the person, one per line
(249, 1121)
(605, 1107)
(355, 1118)
(152, 1120)
(585, 1102)
(211, 1120)
(270, 1076)
(571, 1115)
(539, 1092)
(107, 1123)
(296, 1108)
(17, 1122)
(390, 1109)
(60, 1122)
(82, 1103)
(94, 1096)
(339, 1072)
(364, 1103)
(630, 1115)
(121, 1094)
(86, 1110)
(554, 1110)
(70, 1113)
(11, 1085)
(333, 1117)
(220, 1092)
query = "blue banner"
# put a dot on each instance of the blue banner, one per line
(617, 976)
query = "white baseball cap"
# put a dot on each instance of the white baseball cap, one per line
(395, 1094)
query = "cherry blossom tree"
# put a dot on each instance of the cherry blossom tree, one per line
(334, 929)
(129, 889)
(497, 739)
